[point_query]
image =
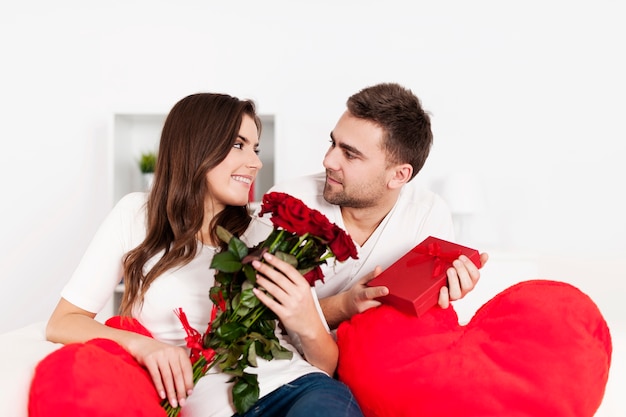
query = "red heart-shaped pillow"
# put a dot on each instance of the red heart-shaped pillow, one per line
(96, 379)
(539, 348)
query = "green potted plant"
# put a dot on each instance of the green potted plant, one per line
(147, 162)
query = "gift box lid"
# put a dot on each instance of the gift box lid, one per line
(414, 280)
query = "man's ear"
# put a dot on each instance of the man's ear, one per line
(401, 175)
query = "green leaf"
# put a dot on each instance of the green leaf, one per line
(250, 273)
(239, 309)
(264, 349)
(238, 248)
(226, 262)
(266, 326)
(230, 331)
(245, 392)
(280, 352)
(251, 354)
(242, 311)
(290, 259)
(232, 363)
(223, 278)
(248, 298)
(224, 234)
(230, 366)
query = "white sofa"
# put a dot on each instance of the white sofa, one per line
(21, 350)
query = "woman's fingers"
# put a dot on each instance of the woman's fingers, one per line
(292, 298)
(171, 373)
(280, 273)
(155, 374)
(182, 375)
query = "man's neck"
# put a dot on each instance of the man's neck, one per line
(361, 223)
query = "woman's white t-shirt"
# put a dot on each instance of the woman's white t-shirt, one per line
(186, 287)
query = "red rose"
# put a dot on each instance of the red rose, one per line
(342, 246)
(314, 275)
(320, 226)
(271, 202)
(293, 216)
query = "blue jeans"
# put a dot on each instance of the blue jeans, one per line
(312, 395)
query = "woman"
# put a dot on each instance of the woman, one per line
(163, 243)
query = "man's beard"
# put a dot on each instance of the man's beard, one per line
(342, 199)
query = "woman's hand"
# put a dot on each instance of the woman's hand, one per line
(291, 298)
(169, 366)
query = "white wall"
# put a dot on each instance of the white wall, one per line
(529, 96)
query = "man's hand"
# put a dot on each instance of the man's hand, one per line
(357, 299)
(462, 278)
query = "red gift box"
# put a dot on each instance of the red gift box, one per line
(415, 279)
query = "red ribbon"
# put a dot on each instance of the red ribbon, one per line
(194, 338)
(442, 259)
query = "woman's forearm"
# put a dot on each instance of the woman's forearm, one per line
(320, 349)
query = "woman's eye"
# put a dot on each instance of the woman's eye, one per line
(238, 145)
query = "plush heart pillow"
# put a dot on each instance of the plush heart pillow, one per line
(539, 348)
(96, 379)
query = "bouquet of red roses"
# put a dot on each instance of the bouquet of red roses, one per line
(242, 328)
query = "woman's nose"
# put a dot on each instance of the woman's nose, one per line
(255, 162)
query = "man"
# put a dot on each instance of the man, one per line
(378, 145)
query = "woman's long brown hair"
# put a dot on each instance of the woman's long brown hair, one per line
(198, 134)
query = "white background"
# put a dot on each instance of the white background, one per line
(527, 96)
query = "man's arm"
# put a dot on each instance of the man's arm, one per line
(360, 297)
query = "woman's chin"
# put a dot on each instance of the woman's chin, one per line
(240, 201)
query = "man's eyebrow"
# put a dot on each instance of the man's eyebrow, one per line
(346, 147)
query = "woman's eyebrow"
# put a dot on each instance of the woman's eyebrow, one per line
(243, 138)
